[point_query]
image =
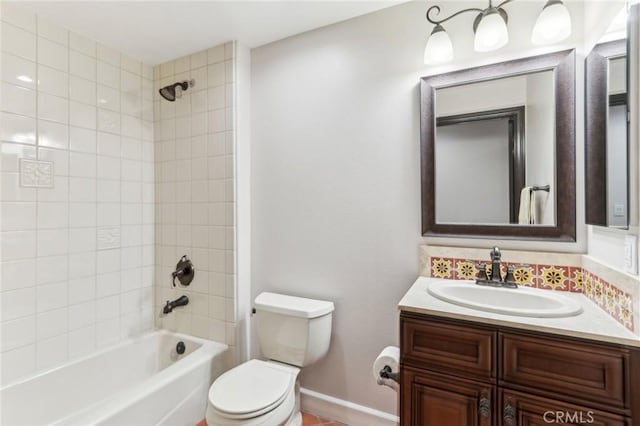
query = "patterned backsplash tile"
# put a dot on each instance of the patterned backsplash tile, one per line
(585, 278)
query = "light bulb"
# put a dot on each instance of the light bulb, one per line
(439, 48)
(553, 24)
(491, 33)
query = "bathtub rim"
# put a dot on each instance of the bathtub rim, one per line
(103, 409)
(129, 340)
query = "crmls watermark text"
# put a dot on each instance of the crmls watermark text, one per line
(568, 417)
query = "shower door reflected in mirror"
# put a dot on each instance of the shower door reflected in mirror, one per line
(495, 151)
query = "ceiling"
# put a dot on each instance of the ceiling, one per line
(157, 31)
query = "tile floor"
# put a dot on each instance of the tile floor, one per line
(307, 420)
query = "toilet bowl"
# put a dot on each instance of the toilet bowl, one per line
(254, 393)
(293, 332)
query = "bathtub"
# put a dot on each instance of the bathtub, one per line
(142, 381)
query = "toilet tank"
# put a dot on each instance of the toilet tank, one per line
(293, 330)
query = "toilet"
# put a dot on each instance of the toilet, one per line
(293, 332)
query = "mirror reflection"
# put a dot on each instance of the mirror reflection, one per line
(617, 150)
(608, 163)
(495, 151)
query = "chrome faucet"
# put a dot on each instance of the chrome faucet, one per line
(496, 279)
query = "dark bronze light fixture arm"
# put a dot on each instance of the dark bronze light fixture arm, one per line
(437, 12)
(436, 9)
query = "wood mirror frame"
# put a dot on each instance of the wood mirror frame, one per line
(563, 66)
(596, 101)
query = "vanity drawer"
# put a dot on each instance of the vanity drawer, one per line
(440, 347)
(573, 370)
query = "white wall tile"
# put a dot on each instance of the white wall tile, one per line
(82, 90)
(82, 115)
(52, 323)
(82, 341)
(53, 108)
(18, 216)
(108, 168)
(18, 42)
(82, 66)
(18, 274)
(82, 140)
(19, 332)
(53, 81)
(51, 277)
(18, 100)
(108, 214)
(82, 165)
(60, 160)
(82, 315)
(108, 98)
(60, 192)
(53, 215)
(18, 303)
(108, 55)
(82, 190)
(53, 32)
(53, 54)
(108, 75)
(18, 71)
(82, 44)
(82, 289)
(19, 16)
(82, 265)
(82, 240)
(18, 244)
(216, 75)
(53, 135)
(82, 215)
(17, 128)
(52, 242)
(108, 121)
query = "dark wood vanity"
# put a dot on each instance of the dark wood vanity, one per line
(463, 373)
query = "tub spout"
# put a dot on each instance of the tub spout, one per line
(181, 301)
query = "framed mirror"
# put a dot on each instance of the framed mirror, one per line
(498, 150)
(607, 159)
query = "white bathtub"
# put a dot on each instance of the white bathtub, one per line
(142, 381)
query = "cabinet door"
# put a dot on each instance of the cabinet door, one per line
(434, 400)
(518, 409)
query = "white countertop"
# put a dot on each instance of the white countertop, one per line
(593, 323)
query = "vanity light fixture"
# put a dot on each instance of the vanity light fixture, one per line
(553, 24)
(490, 28)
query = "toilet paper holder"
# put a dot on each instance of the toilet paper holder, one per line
(387, 373)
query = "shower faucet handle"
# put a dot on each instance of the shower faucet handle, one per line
(184, 272)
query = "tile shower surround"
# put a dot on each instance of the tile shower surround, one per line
(77, 234)
(195, 206)
(615, 301)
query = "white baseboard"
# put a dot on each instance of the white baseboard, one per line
(344, 411)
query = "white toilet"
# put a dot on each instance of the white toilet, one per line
(293, 332)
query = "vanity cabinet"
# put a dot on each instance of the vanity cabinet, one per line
(464, 373)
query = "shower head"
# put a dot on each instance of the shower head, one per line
(175, 90)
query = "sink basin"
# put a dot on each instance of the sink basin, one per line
(522, 302)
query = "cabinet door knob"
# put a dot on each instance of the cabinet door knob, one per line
(509, 414)
(484, 406)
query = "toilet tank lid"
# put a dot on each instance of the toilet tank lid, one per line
(294, 306)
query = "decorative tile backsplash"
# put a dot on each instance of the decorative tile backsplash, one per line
(547, 277)
(574, 273)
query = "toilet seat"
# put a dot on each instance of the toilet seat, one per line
(252, 390)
